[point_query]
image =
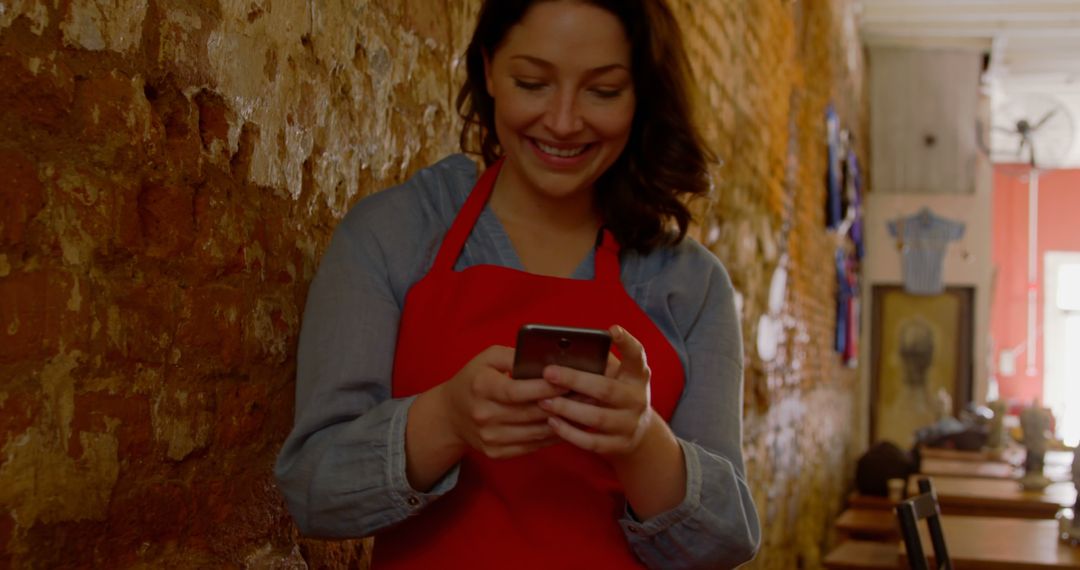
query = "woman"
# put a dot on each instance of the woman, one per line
(408, 426)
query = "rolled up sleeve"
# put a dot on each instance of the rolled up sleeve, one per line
(716, 525)
(342, 468)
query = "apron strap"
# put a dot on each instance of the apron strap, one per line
(606, 259)
(466, 219)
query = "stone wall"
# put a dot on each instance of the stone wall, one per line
(171, 171)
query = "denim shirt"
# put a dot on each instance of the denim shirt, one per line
(342, 469)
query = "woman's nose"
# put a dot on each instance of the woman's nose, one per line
(563, 116)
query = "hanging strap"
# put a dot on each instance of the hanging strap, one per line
(606, 260)
(466, 219)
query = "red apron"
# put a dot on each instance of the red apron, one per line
(555, 508)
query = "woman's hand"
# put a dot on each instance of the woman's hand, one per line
(611, 415)
(493, 413)
(608, 414)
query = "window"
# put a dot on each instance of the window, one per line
(1068, 287)
(1068, 302)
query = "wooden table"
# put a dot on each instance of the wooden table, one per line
(997, 497)
(1013, 455)
(857, 500)
(967, 468)
(989, 469)
(993, 543)
(863, 555)
(867, 524)
(1059, 458)
(982, 543)
(1057, 465)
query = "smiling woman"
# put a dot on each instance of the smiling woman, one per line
(593, 66)
(564, 101)
(409, 426)
(564, 104)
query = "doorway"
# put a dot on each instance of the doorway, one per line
(1061, 332)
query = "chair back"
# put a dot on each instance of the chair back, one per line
(923, 506)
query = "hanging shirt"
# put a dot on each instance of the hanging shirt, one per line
(922, 238)
(851, 285)
(855, 232)
(843, 293)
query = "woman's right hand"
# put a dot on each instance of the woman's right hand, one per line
(493, 413)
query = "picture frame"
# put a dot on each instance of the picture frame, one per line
(921, 345)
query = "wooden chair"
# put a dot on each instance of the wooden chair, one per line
(923, 506)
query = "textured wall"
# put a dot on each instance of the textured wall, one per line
(768, 70)
(170, 173)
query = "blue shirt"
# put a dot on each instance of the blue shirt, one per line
(342, 469)
(923, 237)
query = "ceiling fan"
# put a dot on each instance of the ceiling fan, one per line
(1040, 131)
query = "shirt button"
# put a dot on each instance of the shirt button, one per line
(413, 501)
(635, 529)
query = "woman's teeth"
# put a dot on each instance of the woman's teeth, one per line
(561, 152)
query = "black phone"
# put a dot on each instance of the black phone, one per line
(540, 345)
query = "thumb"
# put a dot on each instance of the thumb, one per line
(631, 350)
(498, 357)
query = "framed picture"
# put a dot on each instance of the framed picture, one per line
(920, 351)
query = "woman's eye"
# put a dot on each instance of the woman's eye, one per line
(607, 93)
(528, 85)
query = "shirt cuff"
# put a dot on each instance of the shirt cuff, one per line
(634, 528)
(409, 500)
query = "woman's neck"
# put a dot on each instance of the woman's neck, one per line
(551, 235)
(515, 205)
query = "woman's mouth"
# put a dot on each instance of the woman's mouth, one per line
(561, 152)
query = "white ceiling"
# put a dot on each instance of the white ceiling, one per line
(1034, 48)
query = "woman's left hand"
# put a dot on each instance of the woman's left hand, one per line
(608, 414)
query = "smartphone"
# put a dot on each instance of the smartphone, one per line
(541, 345)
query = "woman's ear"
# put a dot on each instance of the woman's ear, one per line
(487, 74)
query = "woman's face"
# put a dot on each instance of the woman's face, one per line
(564, 97)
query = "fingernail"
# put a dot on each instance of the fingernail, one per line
(546, 403)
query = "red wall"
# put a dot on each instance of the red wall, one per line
(1058, 230)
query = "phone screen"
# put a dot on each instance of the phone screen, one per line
(578, 348)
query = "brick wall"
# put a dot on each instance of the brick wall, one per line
(170, 174)
(768, 70)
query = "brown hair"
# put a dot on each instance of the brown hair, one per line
(665, 159)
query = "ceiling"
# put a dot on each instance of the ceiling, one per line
(1034, 49)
